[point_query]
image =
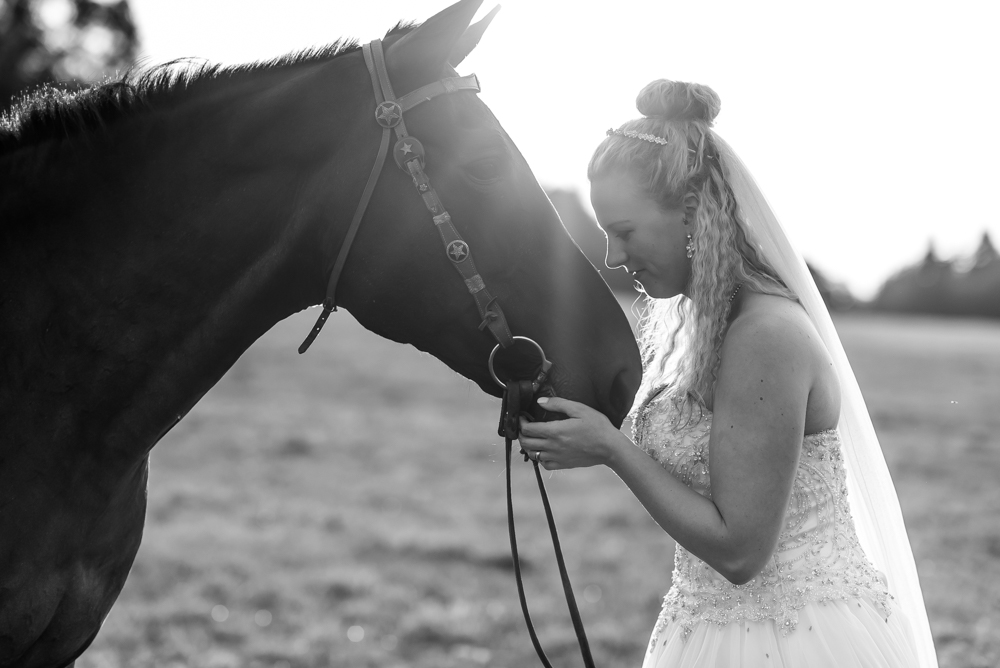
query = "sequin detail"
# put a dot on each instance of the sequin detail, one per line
(818, 557)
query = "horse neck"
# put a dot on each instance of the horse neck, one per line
(155, 254)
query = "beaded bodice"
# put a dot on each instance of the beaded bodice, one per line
(818, 557)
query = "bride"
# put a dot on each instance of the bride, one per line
(756, 452)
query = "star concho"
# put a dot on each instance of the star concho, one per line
(458, 250)
(407, 149)
(388, 114)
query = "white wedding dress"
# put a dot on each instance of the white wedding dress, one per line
(817, 603)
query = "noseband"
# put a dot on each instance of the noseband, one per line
(409, 155)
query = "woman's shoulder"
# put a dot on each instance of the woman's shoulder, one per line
(771, 322)
(775, 332)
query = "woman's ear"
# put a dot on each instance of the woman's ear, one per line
(691, 202)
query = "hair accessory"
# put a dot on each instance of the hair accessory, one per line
(690, 247)
(638, 135)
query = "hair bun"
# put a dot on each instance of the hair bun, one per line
(678, 101)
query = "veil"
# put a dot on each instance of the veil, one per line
(872, 497)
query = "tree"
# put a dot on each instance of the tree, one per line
(74, 42)
(966, 286)
(986, 255)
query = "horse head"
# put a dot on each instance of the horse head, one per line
(399, 282)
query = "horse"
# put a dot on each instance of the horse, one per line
(153, 227)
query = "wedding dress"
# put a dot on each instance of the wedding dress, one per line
(819, 602)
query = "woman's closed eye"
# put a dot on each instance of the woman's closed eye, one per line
(620, 230)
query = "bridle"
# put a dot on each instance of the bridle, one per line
(409, 155)
(518, 395)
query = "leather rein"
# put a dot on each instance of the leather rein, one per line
(518, 395)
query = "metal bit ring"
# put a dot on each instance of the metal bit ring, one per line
(546, 364)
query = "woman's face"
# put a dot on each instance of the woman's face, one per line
(648, 241)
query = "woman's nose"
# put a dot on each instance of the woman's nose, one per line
(616, 254)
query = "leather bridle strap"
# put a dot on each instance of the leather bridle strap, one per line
(409, 155)
(517, 397)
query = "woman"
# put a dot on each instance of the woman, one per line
(756, 452)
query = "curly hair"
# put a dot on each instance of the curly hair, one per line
(681, 338)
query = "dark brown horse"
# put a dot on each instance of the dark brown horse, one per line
(151, 229)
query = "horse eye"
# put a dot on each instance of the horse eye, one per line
(487, 169)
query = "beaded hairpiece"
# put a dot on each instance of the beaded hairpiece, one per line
(638, 135)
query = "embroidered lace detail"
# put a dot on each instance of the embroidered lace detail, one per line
(818, 557)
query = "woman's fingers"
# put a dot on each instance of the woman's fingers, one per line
(536, 447)
(540, 429)
(547, 460)
(530, 444)
(527, 429)
(562, 443)
(579, 441)
(564, 406)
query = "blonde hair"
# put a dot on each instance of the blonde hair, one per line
(681, 338)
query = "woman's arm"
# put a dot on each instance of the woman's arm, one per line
(764, 380)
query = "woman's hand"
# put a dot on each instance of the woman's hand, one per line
(584, 438)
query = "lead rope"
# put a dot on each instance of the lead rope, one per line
(516, 395)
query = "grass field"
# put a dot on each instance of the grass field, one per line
(346, 508)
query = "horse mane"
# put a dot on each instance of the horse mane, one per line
(55, 112)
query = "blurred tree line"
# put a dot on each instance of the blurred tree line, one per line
(70, 42)
(966, 286)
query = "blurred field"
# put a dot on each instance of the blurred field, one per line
(346, 508)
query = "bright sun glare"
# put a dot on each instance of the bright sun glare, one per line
(869, 125)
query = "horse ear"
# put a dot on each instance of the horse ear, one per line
(419, 55)
(470, 38)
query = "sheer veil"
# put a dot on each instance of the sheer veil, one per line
(873, 500)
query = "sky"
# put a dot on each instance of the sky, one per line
(872, 126)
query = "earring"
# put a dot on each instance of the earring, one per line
(690, 247)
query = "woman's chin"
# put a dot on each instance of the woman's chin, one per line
(657, 291)
(642, 283)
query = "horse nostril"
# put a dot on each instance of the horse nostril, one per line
(621, 395)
